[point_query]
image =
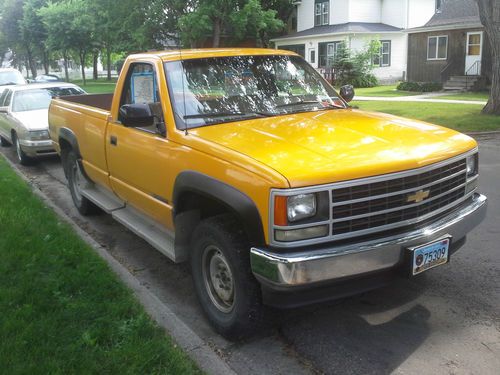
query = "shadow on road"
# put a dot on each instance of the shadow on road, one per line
(369, 334)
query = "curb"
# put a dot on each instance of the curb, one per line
(488, 132)
(197, 349)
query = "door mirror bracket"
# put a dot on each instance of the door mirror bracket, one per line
(347, 93)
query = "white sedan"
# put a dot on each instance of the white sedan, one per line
(24, 117)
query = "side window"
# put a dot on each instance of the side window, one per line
(7, 98)
(141, 87)
(2, 97)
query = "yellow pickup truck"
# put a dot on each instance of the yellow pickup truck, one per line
(248, 164)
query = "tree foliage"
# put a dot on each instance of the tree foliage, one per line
(83, 30)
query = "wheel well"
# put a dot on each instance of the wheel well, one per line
(65, 147)
(191, 208)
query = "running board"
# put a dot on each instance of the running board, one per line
(102, 198)
(159, 237)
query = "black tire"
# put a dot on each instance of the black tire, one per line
(4, 142)
(244, 314)
(22, 158)
(75, 181)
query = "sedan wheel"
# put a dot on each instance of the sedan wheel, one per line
(21, 156)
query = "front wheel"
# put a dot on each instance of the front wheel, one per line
(220, 264)
(21, 156)
(76, 182)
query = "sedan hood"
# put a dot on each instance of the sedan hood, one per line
(329, 146)
(33, 120)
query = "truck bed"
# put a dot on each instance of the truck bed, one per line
(101, 101)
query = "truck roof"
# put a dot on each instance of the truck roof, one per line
(185, 54)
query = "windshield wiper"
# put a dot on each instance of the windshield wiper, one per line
(8, 83)
(323, 105)
(226, 114)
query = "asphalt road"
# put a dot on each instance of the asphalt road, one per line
(445, 322)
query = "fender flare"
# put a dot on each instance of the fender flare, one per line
(69, 136)
(237, 202)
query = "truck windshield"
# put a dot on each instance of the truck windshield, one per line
(215, 90)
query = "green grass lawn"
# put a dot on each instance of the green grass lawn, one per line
(463, 117)
(101, 86)
(62, 310)
(384, 91)
(482, 96)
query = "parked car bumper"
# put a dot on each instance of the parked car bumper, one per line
(296, 270)
(37, 148)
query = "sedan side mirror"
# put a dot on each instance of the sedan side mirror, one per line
(136, 115)
(347, 92)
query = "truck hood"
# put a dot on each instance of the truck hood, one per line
(33, 120)
(322, 147)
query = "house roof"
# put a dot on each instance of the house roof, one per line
(344, 28)
(454, 14)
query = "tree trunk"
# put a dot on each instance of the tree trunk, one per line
(32, 65)
(489, 12)
(66, 74)
(82, 64)
(46, 62)
(108, 61)
(216, 33)
(95, 73)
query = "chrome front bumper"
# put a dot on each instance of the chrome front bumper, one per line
(36, 148)
(283, 271)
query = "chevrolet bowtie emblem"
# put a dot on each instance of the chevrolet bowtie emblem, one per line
(418, 196)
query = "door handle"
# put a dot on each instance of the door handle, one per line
(113, 140)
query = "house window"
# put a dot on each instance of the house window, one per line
(439, 3)
(312, 56)
(321, 12)
(297, 48)
(384, 58)
(327, 53)
(437, 47)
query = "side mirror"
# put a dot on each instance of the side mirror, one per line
(136, 115)
(347, 92)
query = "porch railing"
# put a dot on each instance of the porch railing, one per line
(474, 70)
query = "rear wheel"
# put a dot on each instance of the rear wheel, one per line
(76, 182)
(21, 156)
(4, 142)
(228, 292)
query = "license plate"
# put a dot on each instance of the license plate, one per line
(429, 255)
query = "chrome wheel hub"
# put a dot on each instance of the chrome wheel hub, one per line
(218, 279)
(77, 181)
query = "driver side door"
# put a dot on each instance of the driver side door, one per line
(138, 157)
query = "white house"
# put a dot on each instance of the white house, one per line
(323, 24)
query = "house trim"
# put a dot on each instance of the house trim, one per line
(331, 34)
(443, 28)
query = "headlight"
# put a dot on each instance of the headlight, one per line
(38, 135)
(301, 206)
(472, 165)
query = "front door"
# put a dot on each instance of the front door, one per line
(473, 52)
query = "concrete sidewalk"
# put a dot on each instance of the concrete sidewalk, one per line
(424, 98)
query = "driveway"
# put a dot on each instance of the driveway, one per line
(445, 322)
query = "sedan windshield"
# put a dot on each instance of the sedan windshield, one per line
(215, 90)
(11, 77)
(31, 100)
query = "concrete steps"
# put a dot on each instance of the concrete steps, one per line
(461, 83)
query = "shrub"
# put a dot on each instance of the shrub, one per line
(355, 68)
(420, 86)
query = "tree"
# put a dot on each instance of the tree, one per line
(240, 19)
(256, 23)
(489, 13)
(69, 26)
(34, 33)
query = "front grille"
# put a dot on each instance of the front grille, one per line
(383, 205)
(378, 205)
